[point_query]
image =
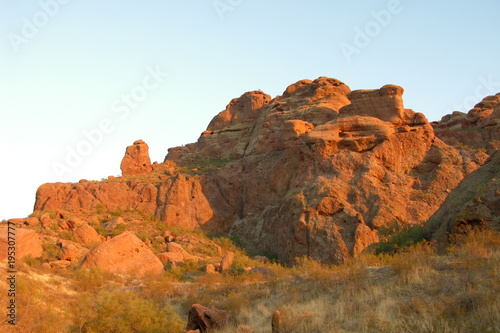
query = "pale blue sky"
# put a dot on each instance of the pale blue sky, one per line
(69, 74)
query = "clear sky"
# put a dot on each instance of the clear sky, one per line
(90, 77)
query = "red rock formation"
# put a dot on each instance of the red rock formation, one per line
(316, 171)
(136, 160)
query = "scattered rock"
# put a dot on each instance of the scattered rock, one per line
(210, 269)
(206, 319)
(124, 254)
(87, 235)
(176, 248)
(111, 225)
(174, 257)
(46, 220)
(168, 236)
(226, 261)
(32, 221)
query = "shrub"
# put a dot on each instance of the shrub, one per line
(118, 311)
(397, 236)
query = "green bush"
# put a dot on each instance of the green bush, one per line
(397, 236)
(118, 311)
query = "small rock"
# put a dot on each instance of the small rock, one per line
(111, 225)
(62, 264)
(167, 257)
(210, 269)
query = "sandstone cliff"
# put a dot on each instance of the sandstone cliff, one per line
(316, 171)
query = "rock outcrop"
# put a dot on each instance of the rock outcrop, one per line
(27, 243)
(475, 202)
(316, 171)
(136, 160)
(125, 254)
(478, 129)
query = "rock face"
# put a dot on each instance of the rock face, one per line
(136, 160)
(205, 319)
(474, 202)
(479, 128)
(177, 200)
(316, 171)
(27, 243)
(125, 254)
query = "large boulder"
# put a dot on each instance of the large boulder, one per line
(136, 160)
(26, 242)
(124, 254)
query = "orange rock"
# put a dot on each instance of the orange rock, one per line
(87, 235)
(136, 160)
(206, 319)
(176, 248)
(166, 257)
(124, 254)
(226, 262)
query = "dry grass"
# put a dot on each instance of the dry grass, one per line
(413, 290)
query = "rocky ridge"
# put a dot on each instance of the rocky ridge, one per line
(316, 171)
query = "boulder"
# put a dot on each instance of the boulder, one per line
(31, 221)
(206, 319)
(27, 243)
(176, 248)
(136, 160)
(71, 252)
(124, 254)
(173, 257)
(87, 235)
(111, 225)
(226, 261)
